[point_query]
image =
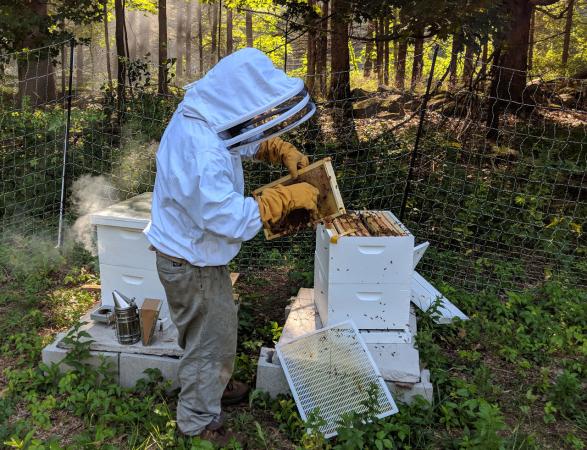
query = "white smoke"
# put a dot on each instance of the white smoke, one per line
(89, 194)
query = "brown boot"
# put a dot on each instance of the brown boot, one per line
(235, 392)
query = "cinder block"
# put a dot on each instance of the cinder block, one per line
(302, 317)
(407, 392)
(133, 365)
(52, 354)
(270, 376)
(398, 362)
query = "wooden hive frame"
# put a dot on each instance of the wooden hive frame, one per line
(320, 175)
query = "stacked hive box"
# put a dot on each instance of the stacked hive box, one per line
(365, 274)
(126, 263)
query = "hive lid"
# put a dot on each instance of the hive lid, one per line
(332, 372)
(132, 213)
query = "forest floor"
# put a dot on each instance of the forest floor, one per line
(511, 377)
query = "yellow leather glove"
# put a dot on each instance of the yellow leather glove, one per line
(276, 150)
(277, 202)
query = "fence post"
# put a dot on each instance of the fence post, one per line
(418, 135)
(65, 145)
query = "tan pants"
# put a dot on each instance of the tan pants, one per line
(203, 310)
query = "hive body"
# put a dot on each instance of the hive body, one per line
(364, 278)
(126, 263)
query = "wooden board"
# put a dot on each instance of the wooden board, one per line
(149, 313)
(320, 175)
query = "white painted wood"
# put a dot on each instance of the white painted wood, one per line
(419, 251)
(132, 213)
(384, 306)
(321, 291)
(126, 263)
(355, 259)
(302, 317)
(370, 306)
(132, 282)
(424, 295)
(371, 336)
(371, 259)
(126, 247)
(397, 361)
(366, 279)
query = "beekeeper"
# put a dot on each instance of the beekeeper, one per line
(200, 215)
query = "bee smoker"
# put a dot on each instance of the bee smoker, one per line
(128, 327)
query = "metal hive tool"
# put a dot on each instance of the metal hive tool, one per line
(331, 371)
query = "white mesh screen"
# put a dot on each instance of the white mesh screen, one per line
(331, 370)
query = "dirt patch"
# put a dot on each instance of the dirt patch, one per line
(268, 302)
(64, 427)
(5, 363)
(241, 422)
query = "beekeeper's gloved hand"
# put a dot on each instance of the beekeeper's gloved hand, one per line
(277, 202)
(275, 150)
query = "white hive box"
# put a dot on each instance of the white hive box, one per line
(364, 278)
(126, 263)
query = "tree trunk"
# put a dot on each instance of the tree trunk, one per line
(386, 53)
(107, 42)
(163, 66)
(400, 64)
(179, 35)
(213, 33)
(484, 56)
(468, 66)
(394, 47)
(418, 62)
(36, 79)
(132, 50)
(493, 110)
(143, 38)
(368, 66)
(200, 38)
(219, 55)
(120, 48)
(188, 38)
(36, 73)
(531, 40)
(249, 28)
(79, 67)
(339, 52)
(63, 70)
(322, 50)
(229, 37)
(311, 54)
(454, 57)
(567, 35)
(511, 76)
(380, 49)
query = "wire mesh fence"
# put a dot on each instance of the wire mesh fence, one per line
(497, 187)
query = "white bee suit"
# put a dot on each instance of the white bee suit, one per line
(199, 212)
(200, 215)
